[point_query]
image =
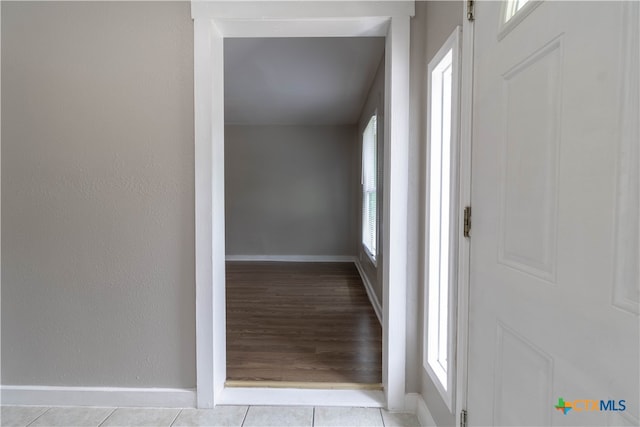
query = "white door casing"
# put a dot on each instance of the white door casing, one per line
(554, 243)
(463, 189)
(215, 20)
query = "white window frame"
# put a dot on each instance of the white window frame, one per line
(511, 7)
(372, 253)
(510, 17)
(444, 378)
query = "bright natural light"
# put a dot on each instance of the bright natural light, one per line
(513, 6)
(439, 218)
(369, 187)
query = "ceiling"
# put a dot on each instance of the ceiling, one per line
(310, 81)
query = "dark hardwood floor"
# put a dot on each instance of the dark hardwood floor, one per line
(300, 322)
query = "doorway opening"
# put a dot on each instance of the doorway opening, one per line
(215, 22)
(299, 145)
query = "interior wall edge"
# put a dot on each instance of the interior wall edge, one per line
(373, 298)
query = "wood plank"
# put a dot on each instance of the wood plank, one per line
(301, 323)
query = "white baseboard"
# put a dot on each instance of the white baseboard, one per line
(98, 396)
(375, 303)
(411, 402)
(414, 403)
(301, 397)
(292, 258)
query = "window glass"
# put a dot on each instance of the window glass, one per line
(369, 188)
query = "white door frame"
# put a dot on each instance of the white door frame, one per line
(459, 401)
(464, 248)
(215, 20)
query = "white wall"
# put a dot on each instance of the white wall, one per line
(290, 190)
(97, 194)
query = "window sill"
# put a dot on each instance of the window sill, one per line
(371, 257)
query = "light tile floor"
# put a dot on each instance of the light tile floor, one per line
(230, 416)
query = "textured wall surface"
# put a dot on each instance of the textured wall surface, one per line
(97, 194)
(290, 190)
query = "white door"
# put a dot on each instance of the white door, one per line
(554, 236)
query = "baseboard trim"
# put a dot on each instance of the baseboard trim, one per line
(301, 397)
(415, 403)
(98, 396)
(411, 402)
(377, 307)
(291, 258)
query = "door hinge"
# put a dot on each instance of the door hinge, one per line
(463, 418)
(467, 221)
(470, 11)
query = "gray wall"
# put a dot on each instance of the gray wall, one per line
(439, 19)
(374, 103)
(290, 190)
(97, 194)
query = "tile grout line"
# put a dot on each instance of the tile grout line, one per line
(108, 416)
(313, 417)
(381, 417)
(176, 417)
(39, 416)
(245, 416)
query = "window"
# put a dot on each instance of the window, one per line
(513, 13)
(370, 188)
(442, 212)
(512, 7)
